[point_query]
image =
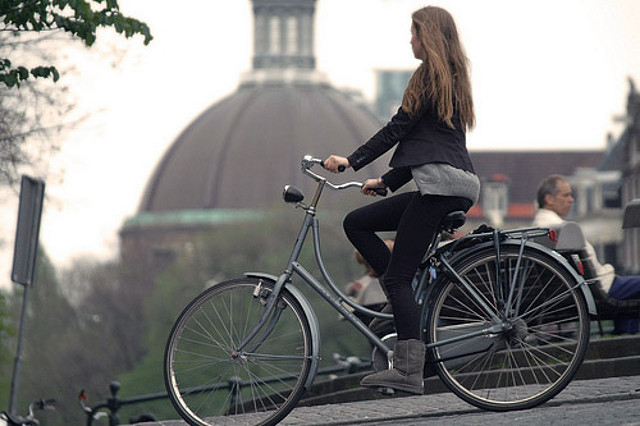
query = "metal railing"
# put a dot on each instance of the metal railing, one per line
(110, 407)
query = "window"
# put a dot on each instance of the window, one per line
(260, 36)
(292, 35)
(307, 35)
(274, 35)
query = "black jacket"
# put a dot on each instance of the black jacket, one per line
(421, 139)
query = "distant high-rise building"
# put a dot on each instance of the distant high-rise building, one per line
(390, 85)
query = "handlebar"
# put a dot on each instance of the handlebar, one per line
(308, 162)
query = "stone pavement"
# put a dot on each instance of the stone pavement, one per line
(403, 410)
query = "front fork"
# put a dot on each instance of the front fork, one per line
(269, 318)
(265, 296)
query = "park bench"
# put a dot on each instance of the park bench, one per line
(570, 241)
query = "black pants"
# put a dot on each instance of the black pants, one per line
(416, 218)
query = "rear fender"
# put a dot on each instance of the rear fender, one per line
(584, 287)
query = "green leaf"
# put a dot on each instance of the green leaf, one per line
(10, 79)
(4, 64)
(23, 73)
(45, 72)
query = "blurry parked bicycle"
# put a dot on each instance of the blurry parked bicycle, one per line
(30, 420)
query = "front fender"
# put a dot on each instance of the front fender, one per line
(311, 316)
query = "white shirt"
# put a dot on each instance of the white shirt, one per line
(547, 219)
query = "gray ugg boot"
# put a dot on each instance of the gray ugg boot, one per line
(406, 374)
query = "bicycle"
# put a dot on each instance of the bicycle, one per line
(9, 419)
(505, 322)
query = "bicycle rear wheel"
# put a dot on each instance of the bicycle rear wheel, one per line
(543, 340)
(212, 381)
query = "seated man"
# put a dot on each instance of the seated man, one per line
(367, 290)
(554, 201)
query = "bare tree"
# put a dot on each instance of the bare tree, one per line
(31, 115)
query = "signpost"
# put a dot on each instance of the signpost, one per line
(24, 262)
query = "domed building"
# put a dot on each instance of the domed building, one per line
(232, 161)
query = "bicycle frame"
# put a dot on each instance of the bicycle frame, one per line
(337, 299)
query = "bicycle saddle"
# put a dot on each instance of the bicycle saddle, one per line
(453, 221)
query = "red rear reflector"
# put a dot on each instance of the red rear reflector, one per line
(553, 235)
(577, 262)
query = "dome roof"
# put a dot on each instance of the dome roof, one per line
(240, 152)
(232, 161)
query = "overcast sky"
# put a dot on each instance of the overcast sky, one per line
(546, 74)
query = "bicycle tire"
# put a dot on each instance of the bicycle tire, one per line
(210, 382)
(538, 352)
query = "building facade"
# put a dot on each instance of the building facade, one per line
(630, 143)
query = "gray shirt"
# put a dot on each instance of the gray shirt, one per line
(444, 179)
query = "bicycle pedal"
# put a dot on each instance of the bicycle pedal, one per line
(387, 391)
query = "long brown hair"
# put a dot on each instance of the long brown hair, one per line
(444, 74)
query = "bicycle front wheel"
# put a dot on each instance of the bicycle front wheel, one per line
(544, 329)
(211, 380)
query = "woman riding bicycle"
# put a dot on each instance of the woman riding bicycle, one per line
(429, 130)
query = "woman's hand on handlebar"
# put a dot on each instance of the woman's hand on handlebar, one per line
(336, 164)
(371, 185)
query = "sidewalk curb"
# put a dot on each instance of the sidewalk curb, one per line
(558, 401)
